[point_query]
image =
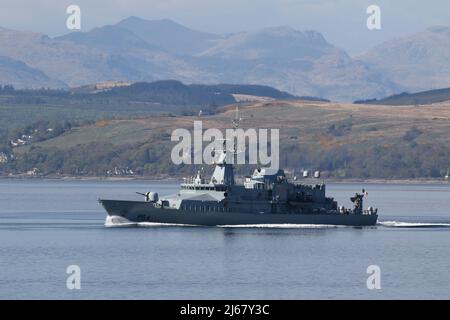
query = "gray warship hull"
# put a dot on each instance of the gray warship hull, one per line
(141, 211)
(266, 197)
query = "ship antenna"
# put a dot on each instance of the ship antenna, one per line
(237, 120)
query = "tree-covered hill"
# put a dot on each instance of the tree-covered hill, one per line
(129, 100)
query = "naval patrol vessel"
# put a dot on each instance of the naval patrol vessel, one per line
(264, 198)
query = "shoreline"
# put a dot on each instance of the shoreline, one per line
(178, 179)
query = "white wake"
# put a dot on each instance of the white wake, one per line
(401, 224)
(117, 221)
(281, 226)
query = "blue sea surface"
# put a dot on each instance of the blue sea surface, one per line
(47, 225)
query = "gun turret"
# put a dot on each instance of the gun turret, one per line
(150, 196)
(146, 195)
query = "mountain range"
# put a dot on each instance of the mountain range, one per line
(303, 63)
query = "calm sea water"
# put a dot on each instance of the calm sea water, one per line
(46, 226)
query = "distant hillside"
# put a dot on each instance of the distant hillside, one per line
(170, 92)
(103, 54)
(18, 74)
(124, 100)
(301, 62)
(176, 93)
(169, 35)
(340, 140)
(424, 97)
(416, 62)
(108, 37)
(137, 50)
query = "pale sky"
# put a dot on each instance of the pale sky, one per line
(342, 22)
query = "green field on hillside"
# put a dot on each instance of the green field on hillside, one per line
(341, 140)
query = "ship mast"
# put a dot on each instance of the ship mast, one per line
(236, 123)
